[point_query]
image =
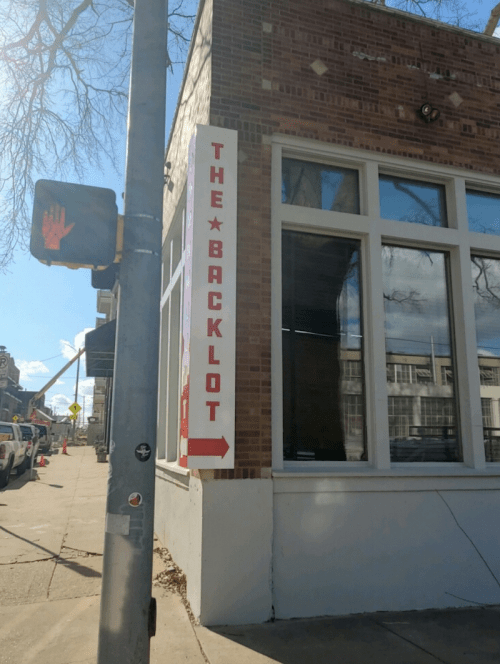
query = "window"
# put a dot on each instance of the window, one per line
(400, 417)
(409, 200)
(483, 210)
(171, 343)
(320, 186)
(321, 321)
(486, 413)
(486, 291)
(373, 354)
(416, 300)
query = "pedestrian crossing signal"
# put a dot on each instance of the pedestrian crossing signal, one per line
(73, 225)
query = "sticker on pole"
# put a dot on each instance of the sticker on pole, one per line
(135, 499)
(143, 452)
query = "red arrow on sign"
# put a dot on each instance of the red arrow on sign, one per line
(207, 447)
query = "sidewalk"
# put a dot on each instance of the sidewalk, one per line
(51, 539)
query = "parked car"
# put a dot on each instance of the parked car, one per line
(44, 438)
(12, 451)
(30, 434)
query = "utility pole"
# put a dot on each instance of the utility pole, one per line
(76, 393)
(127, 610)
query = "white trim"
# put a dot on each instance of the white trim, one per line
(373, 231)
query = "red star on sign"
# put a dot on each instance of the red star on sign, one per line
(215, 224)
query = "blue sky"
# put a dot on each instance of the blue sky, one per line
(46, 310)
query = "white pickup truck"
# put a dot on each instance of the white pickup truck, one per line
(13, 451)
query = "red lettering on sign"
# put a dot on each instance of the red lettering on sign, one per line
(214, 274)
(214, 306)
(215, 248)
(216, 199)
(219, 174)
(213, 383)
(211, 355)
(213, 327)
(212, 405)
(217, 147)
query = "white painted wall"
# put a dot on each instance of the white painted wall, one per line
(350, 552)
(219, 532)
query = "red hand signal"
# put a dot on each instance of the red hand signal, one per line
(53, 229)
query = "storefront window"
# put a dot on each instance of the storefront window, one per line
(323, 383)
(418, 331)
(320, 186)
(410, 200)
(486, 288)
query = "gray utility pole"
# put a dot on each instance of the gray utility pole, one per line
(127, 611)
(76, 394)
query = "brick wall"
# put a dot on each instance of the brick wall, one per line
(381, 65)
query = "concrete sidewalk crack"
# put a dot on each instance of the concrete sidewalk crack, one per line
(404, 638)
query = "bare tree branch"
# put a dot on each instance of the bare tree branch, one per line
(64, 72)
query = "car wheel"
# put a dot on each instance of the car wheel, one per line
(5, 475)
(23, 467)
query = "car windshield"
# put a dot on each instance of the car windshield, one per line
(5, 428)
(26, 431)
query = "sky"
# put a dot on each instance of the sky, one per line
(47, 310)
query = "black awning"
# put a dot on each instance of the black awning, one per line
(100, 350)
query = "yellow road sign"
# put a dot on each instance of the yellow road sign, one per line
(15, 418)
(75, 408)
(73, 417)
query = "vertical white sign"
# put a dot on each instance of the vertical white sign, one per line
(209, 310)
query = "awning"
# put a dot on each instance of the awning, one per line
(100, 350)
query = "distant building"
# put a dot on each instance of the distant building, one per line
(10, 403)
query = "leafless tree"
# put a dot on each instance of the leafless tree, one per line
(456, 12)
(64, 73)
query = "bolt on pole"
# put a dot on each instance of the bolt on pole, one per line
(127, 611)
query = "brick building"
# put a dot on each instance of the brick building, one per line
(342, 193)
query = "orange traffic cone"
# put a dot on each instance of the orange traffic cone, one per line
(65, 447)
(42, 462)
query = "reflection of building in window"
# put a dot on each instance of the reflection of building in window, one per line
(352, 370)
(489, 375)
(446, 375)
(400, 416)
(437, 412)
(486, 412)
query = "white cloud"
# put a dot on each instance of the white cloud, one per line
(59, 402)
(60, 382)
(68, 347)
(29, 369)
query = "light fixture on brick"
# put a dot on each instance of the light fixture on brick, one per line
(428, 113)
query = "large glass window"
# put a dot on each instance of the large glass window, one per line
(337, 403)
(323, 393)
(418, 331)
(483, 210)
(410, 200)
(320, 186)
(486, 288)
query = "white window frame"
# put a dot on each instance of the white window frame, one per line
(373, 231)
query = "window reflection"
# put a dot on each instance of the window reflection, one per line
(486, 285)
(411, 200)
(323, 382)
(483, 210)
(320, 186)
(420, 367)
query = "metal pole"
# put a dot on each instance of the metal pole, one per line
(127, 611)
(76, 393)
